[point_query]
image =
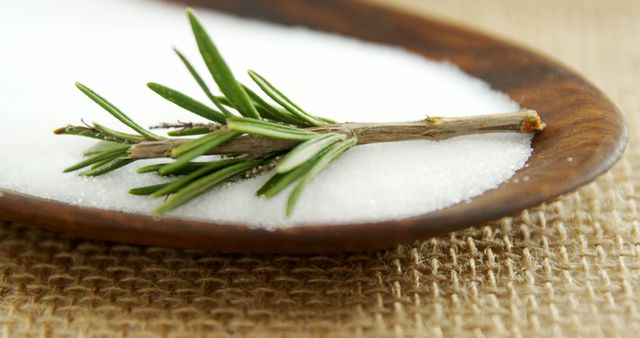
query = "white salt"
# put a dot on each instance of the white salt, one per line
(116, 46)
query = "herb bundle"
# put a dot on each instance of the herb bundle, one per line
(251, 135)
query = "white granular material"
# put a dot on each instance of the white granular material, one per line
(116, 46)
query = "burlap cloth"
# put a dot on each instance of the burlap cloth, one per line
(568, 268)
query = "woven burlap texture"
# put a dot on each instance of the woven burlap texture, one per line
(568, 268)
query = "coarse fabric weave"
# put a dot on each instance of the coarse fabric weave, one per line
(567, 268)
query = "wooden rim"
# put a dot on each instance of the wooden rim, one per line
(586, 135)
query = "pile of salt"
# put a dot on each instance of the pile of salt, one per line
(373, 182)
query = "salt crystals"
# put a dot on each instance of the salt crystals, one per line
(48, 46)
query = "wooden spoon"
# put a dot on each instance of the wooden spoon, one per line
(585, 136)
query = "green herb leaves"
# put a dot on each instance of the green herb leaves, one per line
(269, 129)
(187, 103)
(284, 101)
(302, 154)
(117, 113)
(204, 184)
(303, 164)
(323, 161)
(220, 71)
(103, 159)
(306, 151)
(203, 145)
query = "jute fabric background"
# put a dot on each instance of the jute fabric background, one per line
(567, 268)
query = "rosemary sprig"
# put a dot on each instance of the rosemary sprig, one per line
(283, 136)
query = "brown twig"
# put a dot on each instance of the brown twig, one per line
(431, 128)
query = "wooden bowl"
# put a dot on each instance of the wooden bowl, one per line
(586, 134)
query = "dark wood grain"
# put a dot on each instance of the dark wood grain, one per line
(583, 125)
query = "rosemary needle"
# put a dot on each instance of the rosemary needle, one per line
(195, 143)
(269, 129)
(273, 113)
(118, 135)
(186, 169)
(322, 163)
(189, 131)
(87, 132)
(148, 190)
(107, 167)
(187, 102)
(117, 113)
(203, 185)
(284, 101)
(184, 180)
(307, 150)
(222, 136)
(220, 71)
(105, 146)
(279, 182)
(111, 154)
(202, 84)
